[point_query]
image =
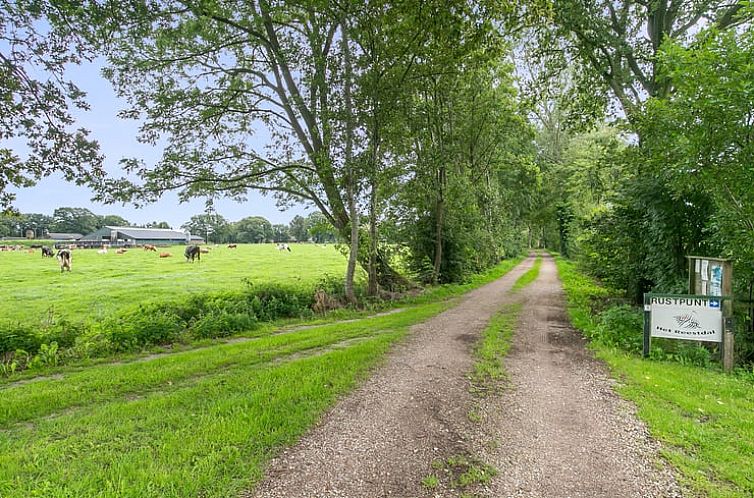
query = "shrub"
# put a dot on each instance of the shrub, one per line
(15, 335)
(621, 327)
(208, 315)
(62, 332)
(221, 324)
(147, 325)
(271, 301)
(93, 343)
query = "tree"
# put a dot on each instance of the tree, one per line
(157, 224)
(113, 221)
(39, 223)
(320, 229)
(212, 227)
(701, 134)
(74, 220)
(38, 40)
(10, 225)
(280, 233)
(254, 229)
(299, 229)
(264, 63)
(617, 47)
(261, 63)
(469, 143)
(619, 41)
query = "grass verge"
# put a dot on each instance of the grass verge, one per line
(192, 423)
(704, 418)
(528, 277)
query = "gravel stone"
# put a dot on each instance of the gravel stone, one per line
(558, 430)
(561, 429)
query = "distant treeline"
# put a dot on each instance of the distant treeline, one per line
(213, 227)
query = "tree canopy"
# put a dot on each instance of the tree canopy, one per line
(39, 40)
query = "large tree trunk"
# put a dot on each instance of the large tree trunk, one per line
(354, 247)
(373, 285)
(353, 212)
(439, 223)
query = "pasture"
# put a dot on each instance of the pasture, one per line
(33, 288)
(202, 422)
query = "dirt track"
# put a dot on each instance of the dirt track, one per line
(558, 430)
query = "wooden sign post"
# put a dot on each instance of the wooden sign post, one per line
(714, 277)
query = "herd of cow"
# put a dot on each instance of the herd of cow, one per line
(65, 256)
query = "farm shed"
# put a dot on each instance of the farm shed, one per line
(56, 236)
(139, 236)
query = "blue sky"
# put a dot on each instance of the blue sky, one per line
(117, 139)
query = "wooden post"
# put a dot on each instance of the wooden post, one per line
(647, 328)
(728, 338)
(727, 347)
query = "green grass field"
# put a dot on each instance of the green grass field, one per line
(202, 422)
(33, 287)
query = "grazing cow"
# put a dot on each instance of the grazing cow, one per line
(150, 247)
(204, 250)
(102, 251)
(166, 255)
(120, 251)
(232, 246)
(192, 252)
(47, 252)
(64, 257)
(284, 247)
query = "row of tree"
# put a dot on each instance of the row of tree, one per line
(214, 227)
(670, 175)
(398, 121)
(257, 229)
(645, 117)
(64, 219)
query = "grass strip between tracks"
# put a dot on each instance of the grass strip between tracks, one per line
(528, 277)
(489, 372)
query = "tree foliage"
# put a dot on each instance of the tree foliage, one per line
(39, 40)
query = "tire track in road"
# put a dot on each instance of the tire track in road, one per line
(560, 430)
(382, 439)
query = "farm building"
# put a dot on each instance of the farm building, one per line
(63, 236)
(139, 236)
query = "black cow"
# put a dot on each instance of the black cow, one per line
(192, 252)
(47, 252)
(64, 257)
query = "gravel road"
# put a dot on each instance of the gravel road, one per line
(558, 430)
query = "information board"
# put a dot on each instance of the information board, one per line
(695, 318)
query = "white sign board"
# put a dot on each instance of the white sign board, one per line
(691, 317)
